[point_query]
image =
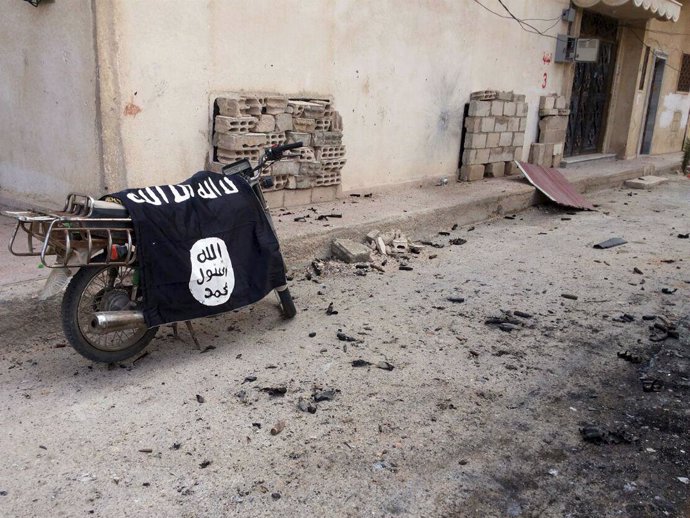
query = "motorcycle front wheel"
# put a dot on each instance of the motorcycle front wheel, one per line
(102, 288)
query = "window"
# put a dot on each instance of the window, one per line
(684, 76)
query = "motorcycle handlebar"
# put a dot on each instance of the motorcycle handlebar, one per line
(276, 152)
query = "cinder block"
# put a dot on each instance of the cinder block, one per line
(336, 122)
(225, 124)
(548, 113)
(231, 105)
(484, 95)
(479, 108)
(475, 156)
(560, 103)
(514, 124)
(330, 152)
(521, 109)
(512, 168)
(283, 122)
(471, 173)
(275, 138)
(327, 138)
(552, 136)
(265, 124)
(558, 148)
(497, 108)
(475, 140)
(274, 104)
(523, 124)
(492, 139)
(303, 124)
(557, 159)
(509, 109)
(500, 154)
(333, 165)
(306, 109)
(518, 139)
(299, 182)
(519, 98)
(239, 141)
(228, 156)
(501, 124)
(473, 124)
(488, 124)
(323, 125)
(495, 169)
(296, 136)
(547, 102)
(553, 123)
(506, 139)
(285, 167)
(505, 96)
(537, 153)
(350, 251)
(518, 152)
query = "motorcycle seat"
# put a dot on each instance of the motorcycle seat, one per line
(108, 209)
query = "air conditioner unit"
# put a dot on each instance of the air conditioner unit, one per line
(587, 50)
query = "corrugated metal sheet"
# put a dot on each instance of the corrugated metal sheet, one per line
(555, 186)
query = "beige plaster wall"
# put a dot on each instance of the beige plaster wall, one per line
(48, 117)
(400, 73)
(672, 114)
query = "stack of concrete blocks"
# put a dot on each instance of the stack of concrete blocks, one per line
(494, 134)
(553, 125)
(246, 124)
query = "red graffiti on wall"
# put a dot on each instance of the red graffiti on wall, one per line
(545, 81)
(547, 57)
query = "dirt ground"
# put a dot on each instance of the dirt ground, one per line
(471, 421)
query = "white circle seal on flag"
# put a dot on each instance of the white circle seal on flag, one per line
(212, 279)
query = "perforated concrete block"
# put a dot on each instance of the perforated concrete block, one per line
(224, 124)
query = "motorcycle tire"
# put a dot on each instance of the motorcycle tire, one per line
(286, 303)
(80, 302)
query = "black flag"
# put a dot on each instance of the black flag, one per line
(204, 247)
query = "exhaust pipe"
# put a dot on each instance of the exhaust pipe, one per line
(109, 321)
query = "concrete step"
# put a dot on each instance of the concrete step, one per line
(588, 160)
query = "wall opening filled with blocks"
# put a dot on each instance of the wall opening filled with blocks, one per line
(244, 124)
(494, 134)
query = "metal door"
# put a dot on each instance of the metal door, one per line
(657, 79)
(592, 88)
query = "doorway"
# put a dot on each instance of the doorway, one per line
(592, 88)
(652, 105)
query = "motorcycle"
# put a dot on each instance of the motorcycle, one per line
(96, 265)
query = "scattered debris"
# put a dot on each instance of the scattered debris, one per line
(645, 182)
(651, 384)
(278, 427)
(629, 357)
(324, 395)
(345, 338)
(458, 241)
(275, 391)
(360, 363)
(637, 271)
(249, 379)
(350, 251)
(312, 334)
(455, 300)
(207, 349)
(200, 398)
(668, 291)
(317, 265)
(596, 435)
(569, 296)
(405, 267)
(330, 310)
(610, 243)
(385, 366)
(521, 314)
(205, 464)
(683, 236)
(306, 406)
(146, 450)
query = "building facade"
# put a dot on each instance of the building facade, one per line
(100, 95)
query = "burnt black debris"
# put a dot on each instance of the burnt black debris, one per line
(205, 464)
(360, 363)
(317, 266)
(610, 243)
(275, 391)
(637, 271)
(569, 296)
(521, 314)
(458, 241)
(306, 406)
(668, 291)
(324, 395)
(597, 435)
(629, 357)
(330, 310)
(405, 268)
(312, 334)
(456, 300)
(200, 398)
(345, 338)
(683, 236)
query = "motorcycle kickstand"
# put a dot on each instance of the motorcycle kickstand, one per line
(176, 335)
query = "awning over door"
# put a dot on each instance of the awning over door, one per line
(634, 9)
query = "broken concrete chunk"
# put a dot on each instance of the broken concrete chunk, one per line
(371, 236)
(645, 182)
(350, 251)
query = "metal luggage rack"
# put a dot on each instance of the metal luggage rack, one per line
(73, 235)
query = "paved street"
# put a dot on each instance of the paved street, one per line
(472, 420)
